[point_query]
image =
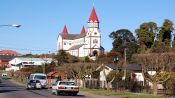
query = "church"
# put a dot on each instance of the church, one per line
(86, 43)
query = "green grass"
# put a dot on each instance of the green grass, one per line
(121, 94)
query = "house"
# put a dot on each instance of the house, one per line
(85, 43)
(21, 62)
(6, 56)
(136, 68)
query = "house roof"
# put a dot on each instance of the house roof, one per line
(73, 36)
(65, 31)
(93, 17)
(8, 52)
(134, 67)
(75, 47)
(34, 59)
(112, 66)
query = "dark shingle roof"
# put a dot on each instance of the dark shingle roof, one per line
(73, 36)
(112, 66)
(75, 47)
(134, 67)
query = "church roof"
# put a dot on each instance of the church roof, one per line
(83, 30)
(65, 30)
(73, 36)
(93, 17)
(76, 47)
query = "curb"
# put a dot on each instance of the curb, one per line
(88, 94)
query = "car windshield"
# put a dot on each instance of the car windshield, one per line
(34, 81)
(67, 83)
(39, 77)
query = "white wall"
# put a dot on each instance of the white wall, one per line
(102, 76)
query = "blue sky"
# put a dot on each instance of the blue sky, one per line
(43, 20)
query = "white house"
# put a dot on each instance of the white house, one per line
(21, 62)
(109, 67)
(85, 43)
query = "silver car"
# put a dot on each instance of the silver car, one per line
(65, 87)
(33, 84)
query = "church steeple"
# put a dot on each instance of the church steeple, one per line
(93, 20)
(93, 17)
(83, 30)
(65, 30)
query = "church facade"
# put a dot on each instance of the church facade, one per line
(86, 43)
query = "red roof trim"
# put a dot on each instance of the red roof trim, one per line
(93, 17)
(8, 52)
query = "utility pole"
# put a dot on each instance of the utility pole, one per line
(44, 66)
(124, 64)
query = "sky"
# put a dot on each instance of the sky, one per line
(43, 20)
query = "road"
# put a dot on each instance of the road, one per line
(9, 89)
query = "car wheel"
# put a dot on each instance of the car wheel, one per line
(27, 87)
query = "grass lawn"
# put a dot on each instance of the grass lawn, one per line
(120, 94)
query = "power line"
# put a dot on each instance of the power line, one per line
(29, 49)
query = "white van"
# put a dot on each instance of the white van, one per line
(41, 77)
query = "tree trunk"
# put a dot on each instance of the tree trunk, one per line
(154, 88)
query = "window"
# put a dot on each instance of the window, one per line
(64, 43)
(69, 43)
(67, 83)
(95, 33)
(95, 41)
(39, 77)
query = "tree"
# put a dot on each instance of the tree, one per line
(160, 47)
(165, 32)
(158, 62)
(78, 70)
(61, 57)
(123, 38)
(146, 35)
(64, 57)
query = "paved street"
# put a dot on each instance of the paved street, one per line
(9, 89)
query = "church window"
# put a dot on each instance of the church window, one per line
(95, 41)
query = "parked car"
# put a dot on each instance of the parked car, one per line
(41, 77)
(33, 84)
(65, 87)
(5, 76)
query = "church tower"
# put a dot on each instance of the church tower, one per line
(93, 37)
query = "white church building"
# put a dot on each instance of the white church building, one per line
(85, 43)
